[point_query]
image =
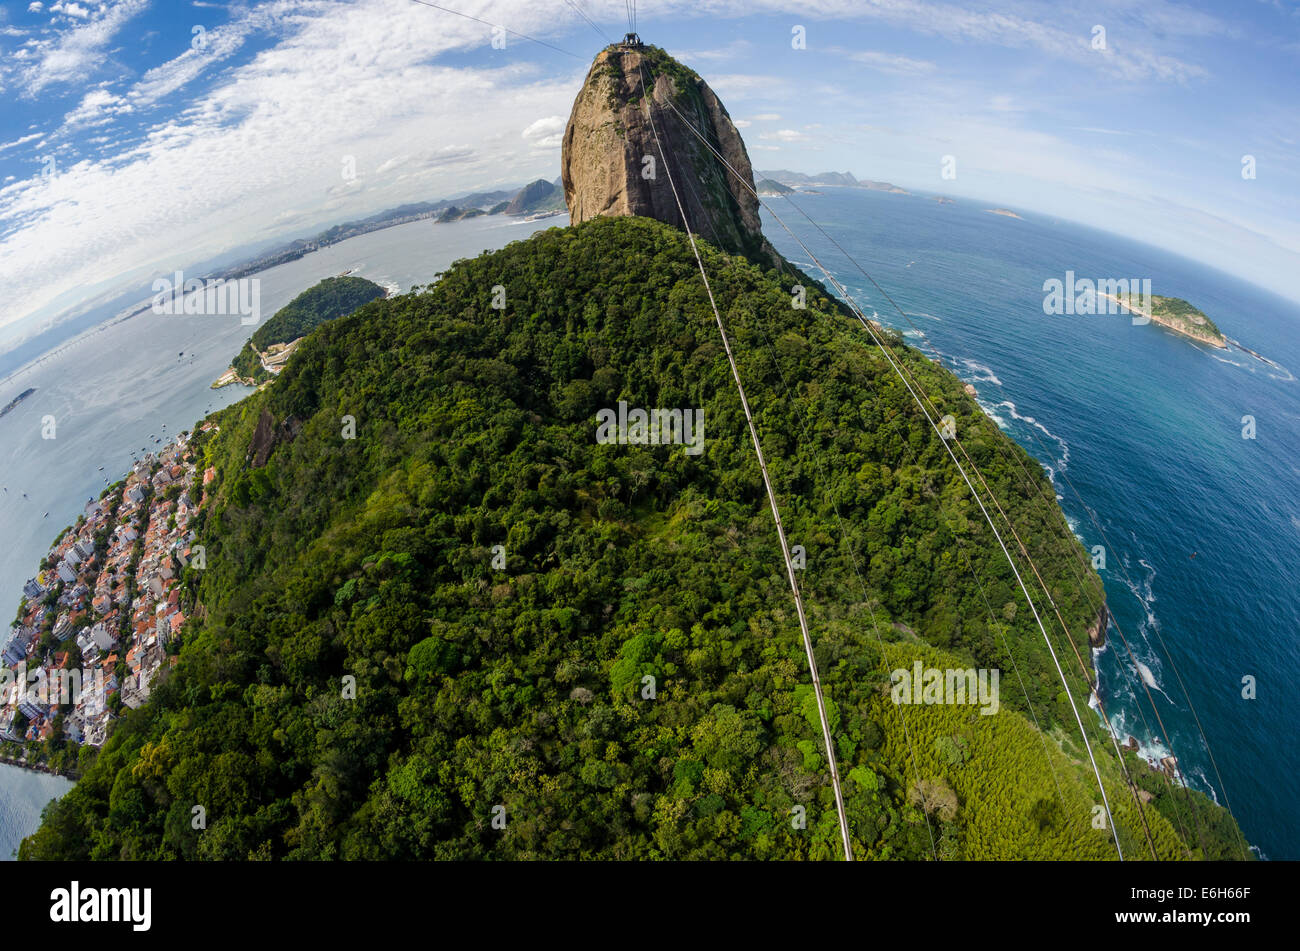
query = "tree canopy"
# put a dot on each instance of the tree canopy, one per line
(471, 631)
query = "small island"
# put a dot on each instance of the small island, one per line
(1179, 316)
(456, 213)
(1004, 212)
(767, 188)
(16, 400)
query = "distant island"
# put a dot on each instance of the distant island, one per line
(536, 199)
(1004, 212)
(1179, 316)
(267, 351)
(17, 399)
(787, 178)
(767, 187)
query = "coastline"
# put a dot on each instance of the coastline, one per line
(116, 590)
(1097, 632)
(38, 766)
(1208, 341)
(228, 378)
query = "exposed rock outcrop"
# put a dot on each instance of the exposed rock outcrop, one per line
(612, 163)
(1097, 633)
(267, 435)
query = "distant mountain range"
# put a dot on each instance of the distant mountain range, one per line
(536, 197)
(784, 176)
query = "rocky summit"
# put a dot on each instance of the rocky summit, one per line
(612, 163)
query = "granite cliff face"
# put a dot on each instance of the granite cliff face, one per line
(609, 139)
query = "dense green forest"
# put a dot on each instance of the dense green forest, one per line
(333, 297)
(1185, 315)
(569, 650)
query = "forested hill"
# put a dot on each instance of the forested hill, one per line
(516, 695)
(333, 297)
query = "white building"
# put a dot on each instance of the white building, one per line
(15, 648)
(104, 638)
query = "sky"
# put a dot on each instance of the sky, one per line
(138, 137)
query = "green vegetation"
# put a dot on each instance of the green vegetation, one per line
(331, 298)
(1184, 317)
(525, 688)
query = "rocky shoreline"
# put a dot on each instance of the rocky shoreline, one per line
(38, 767)
(1097, 632)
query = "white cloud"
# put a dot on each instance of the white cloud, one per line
(892, 63)
(741, 86)
(71, 54)
(546, 133)
(734, 49)
(254, 153)
(74, 10)
(23, 140)
(258, 156)
(219, 43)
(96, 108)
(961, 23)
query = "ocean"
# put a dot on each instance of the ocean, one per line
(23, 794)
(1141, 426)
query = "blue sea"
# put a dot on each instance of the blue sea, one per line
(23, 794)
(1145, 429)
(1203, 525)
